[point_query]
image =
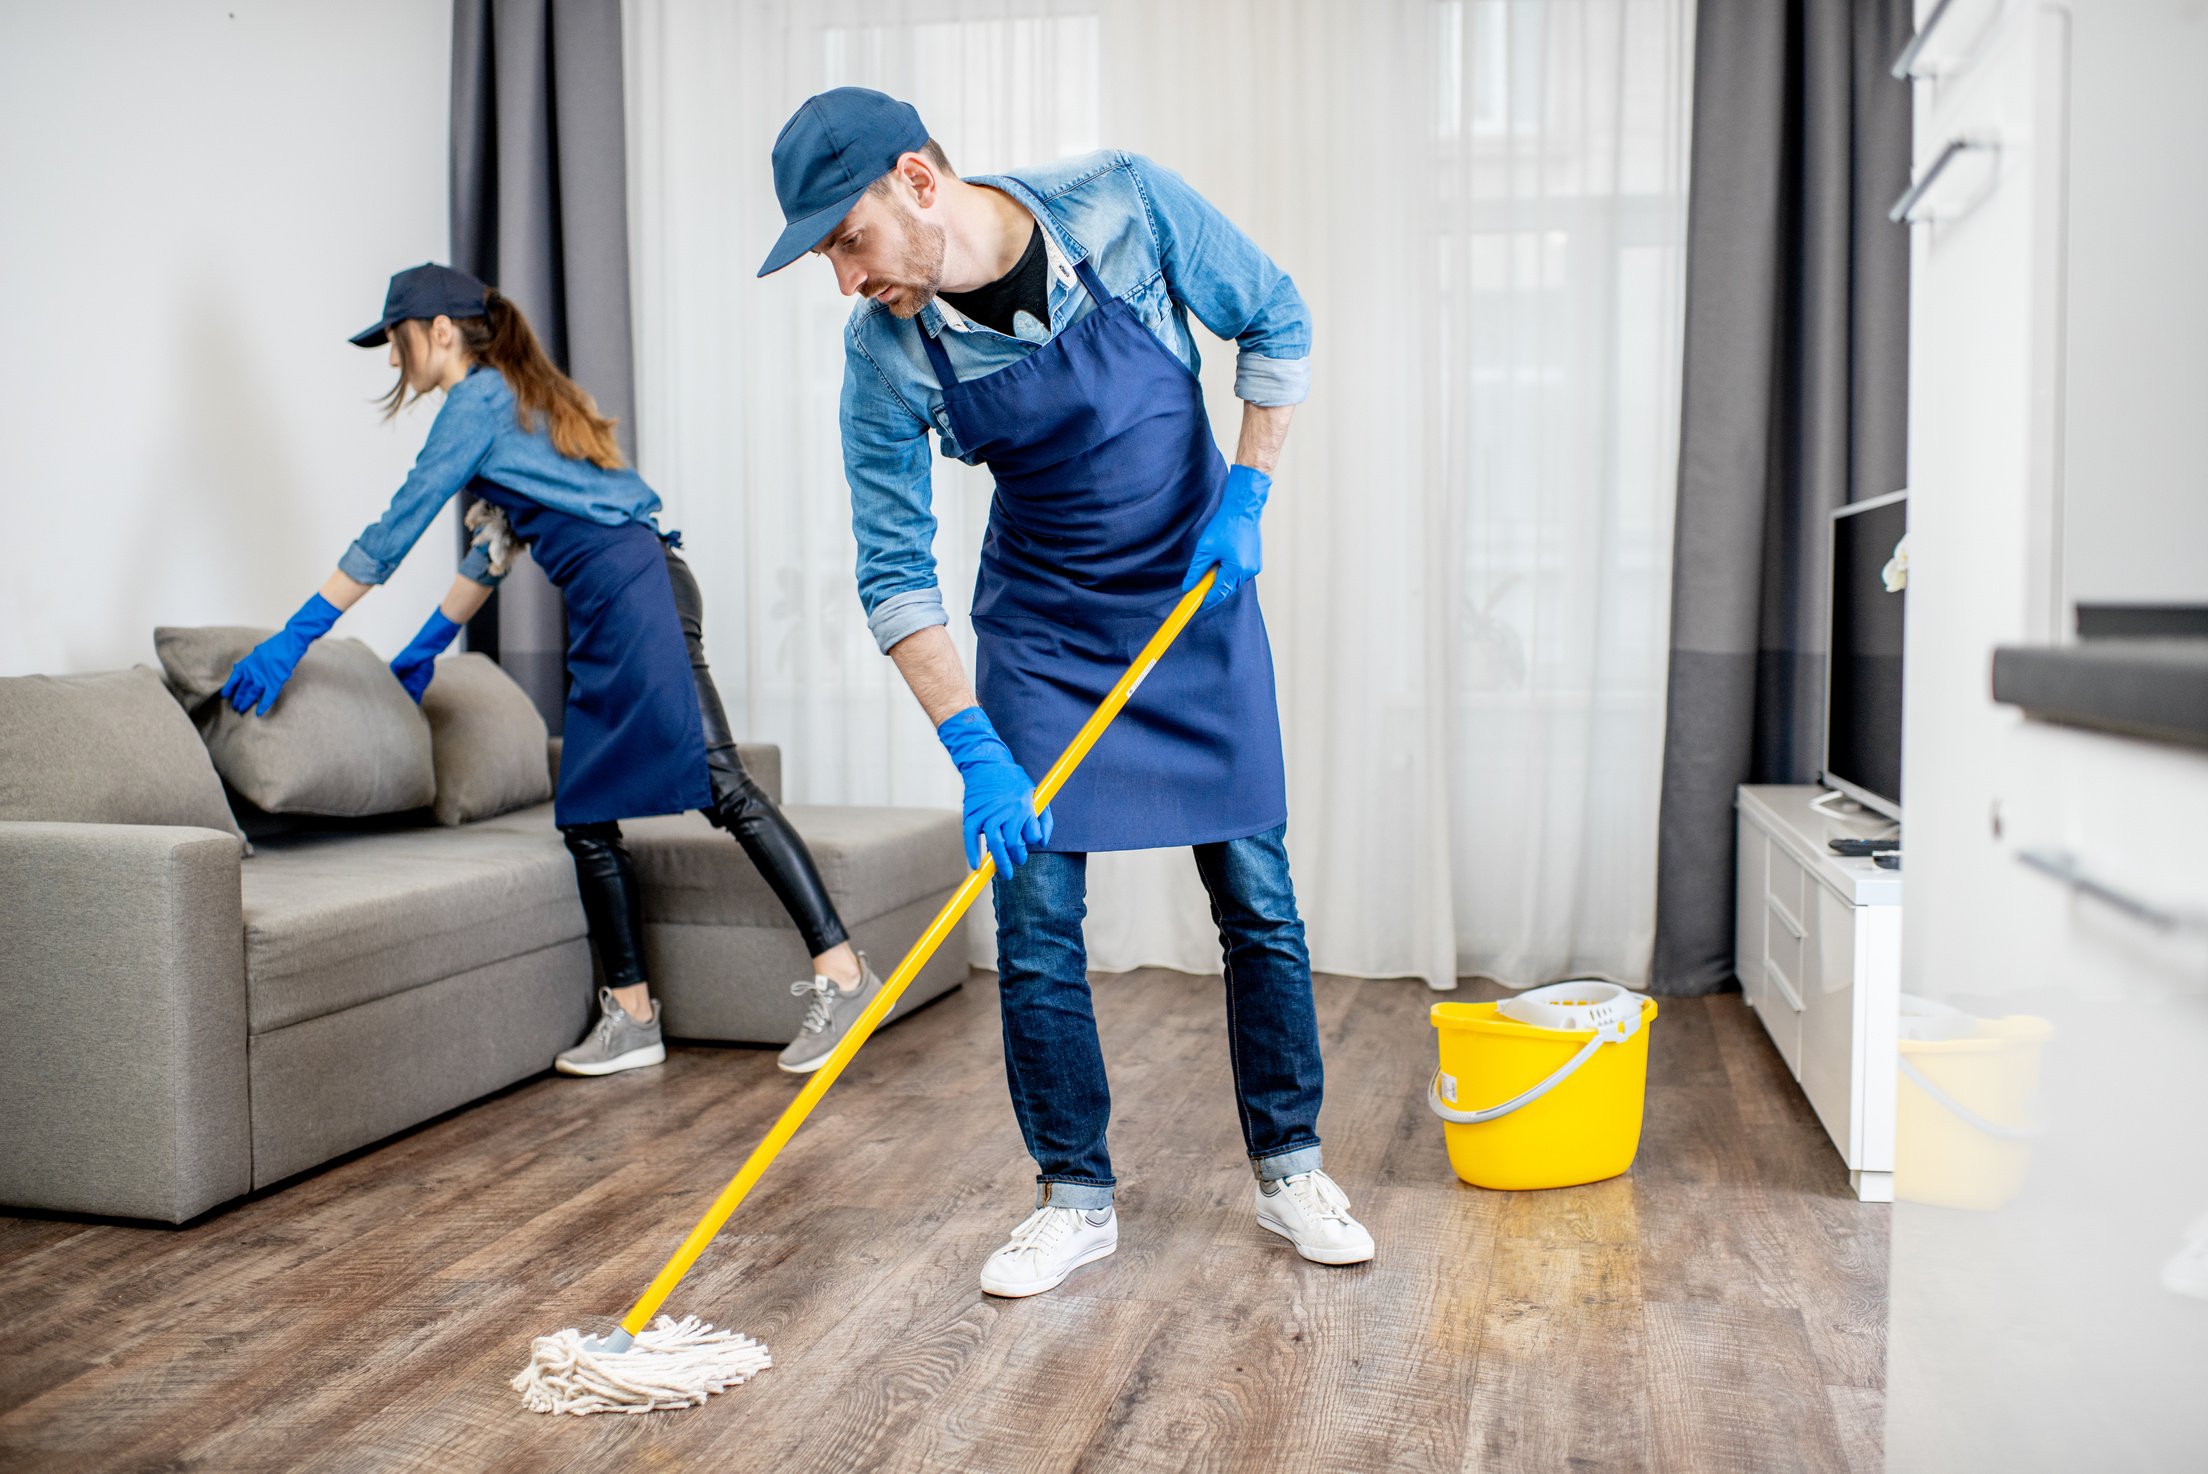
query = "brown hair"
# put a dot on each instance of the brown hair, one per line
(932, 152)
(502, 339)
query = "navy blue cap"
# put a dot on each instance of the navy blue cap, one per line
(424, 292)
(830, 150)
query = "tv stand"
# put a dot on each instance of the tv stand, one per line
(1817, 949)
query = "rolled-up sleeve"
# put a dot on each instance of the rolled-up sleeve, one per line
(885, 460)
(1235, 289)
(477, 565)
(459, 440)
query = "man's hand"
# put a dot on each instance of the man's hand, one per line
(1231, 539)
(1000, 797)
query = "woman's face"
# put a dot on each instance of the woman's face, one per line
(424, 352)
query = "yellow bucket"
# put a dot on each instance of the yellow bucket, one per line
(1965, 1106)
(1527, 1106)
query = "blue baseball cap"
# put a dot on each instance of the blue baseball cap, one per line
(832, 148)
(424, 292)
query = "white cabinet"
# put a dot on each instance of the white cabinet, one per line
(1782, 954)
(2061, 1321)
(1751, 853)
(1818, 953)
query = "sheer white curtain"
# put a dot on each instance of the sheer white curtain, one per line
(1468, 548)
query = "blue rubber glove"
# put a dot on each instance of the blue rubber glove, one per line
(256, 680)
(1230, 539)
(418, 662)
(1000, 797)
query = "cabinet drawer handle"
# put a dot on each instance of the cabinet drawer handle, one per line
(2067, 868)
(1905, 65)
(1904, 211)
(1794, 928)
(1786, 989)
(1906, 68)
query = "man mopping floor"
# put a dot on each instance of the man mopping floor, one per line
(1038, 323)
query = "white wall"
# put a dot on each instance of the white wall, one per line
(198, 203)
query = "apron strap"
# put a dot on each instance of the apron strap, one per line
(1097, 295)
(945, 376)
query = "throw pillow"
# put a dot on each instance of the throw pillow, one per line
(344, 738)
(487, 739)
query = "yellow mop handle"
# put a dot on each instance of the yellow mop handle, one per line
(794, 1114)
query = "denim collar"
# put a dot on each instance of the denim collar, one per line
(1059, 245)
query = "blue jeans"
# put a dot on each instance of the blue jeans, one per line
(1052, 1059)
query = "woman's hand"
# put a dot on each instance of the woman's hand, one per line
(256, 681)
(417, 663)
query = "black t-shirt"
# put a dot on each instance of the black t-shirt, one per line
(1025, 288)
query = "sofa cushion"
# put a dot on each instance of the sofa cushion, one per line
(871, 859)
(486, 739)
(343, 739)
(335, 921)
(110, 748)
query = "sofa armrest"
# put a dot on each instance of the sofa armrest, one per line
(763, 760)
(123, 1065)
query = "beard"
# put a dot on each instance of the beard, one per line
(919, 268)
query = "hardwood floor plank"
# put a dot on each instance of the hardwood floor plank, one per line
(1734, 1388)
(1827, 1256)
(1722, 1306)
(1563, 1369)
(1408, 1404)
(1859, 1414)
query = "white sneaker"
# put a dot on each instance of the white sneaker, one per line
(1311, 1211)
(1051, 1244)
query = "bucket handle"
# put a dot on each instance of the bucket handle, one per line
(1963, 1113)
(1616, 1033)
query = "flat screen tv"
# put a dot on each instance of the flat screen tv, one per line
(1866, 599)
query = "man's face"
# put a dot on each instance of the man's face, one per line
(883, 249)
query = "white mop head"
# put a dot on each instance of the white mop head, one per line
(675, 1364)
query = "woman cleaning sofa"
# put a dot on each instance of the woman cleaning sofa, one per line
(645, 731)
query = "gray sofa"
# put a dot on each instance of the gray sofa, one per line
(187, 1024)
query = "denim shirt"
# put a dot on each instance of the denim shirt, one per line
(477, 435)
(1156, 244)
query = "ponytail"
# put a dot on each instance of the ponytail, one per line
(502, 339)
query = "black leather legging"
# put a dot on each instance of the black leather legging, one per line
(612, 904)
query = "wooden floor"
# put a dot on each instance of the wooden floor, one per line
(1720, 1308)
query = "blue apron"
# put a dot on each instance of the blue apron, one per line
(1106, 472)
(634, 743)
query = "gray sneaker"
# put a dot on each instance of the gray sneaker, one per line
(827, 1019)
(618, 1043)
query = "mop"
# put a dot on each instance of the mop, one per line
(644, 1366)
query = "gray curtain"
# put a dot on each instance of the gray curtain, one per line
(1795, 402)
(540, 211)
